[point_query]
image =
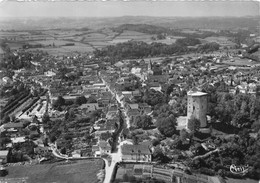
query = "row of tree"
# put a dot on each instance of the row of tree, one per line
(134, 49)
(79, 101)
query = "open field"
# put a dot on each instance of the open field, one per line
(85, 41)
(133, 35)
(16, 45)
(64, 50)
(115, 41)
(181, 122)
(95, 37)
(50, 42)
(190, 31)
(167, 41)
(88, 40)
(230, 180)
(77, 171)
(240, 62)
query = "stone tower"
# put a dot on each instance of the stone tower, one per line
(197, 107)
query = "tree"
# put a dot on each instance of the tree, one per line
(153, 97)
(63, 150)
(4, 141)
(193, 124)
(158, 155)
(135, 139)
(187, 41)
(144, 122)
(6, 119)
(256, 125)
(155, 142)
(167, 126)
(52, 138)
(70, 114)
(45, 118)
(105, 136)
(184, 135)
(92, 100)
(3, 172)
(240, 119)
(59, 102)
(81, 100)
(125, 132)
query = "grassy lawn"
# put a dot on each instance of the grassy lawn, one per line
(77, 171)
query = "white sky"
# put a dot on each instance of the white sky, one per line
(120, 8)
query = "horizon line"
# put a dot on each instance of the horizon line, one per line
(136, 16)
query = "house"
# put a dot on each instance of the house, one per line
(104, 147)
(89, 107)
(112, 112)
(95, 150)
(104, 101)
(49, 73)
(15, 126)
(138, 153)
(132, 106)
(158, 78)
(127, 94)
(16, 140)
(155, 86)
(145, 108)
(136, 93)
(3, 156)
(76, 154)
(133, 113)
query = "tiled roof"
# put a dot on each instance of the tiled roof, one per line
(13, 125)
(135, 149)
(3, 153)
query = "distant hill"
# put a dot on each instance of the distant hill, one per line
(96, 23)
(144, 28)
(153, 29)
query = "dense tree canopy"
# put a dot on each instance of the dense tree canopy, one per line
(59, 102)
(81, 100)
(167, 125)
(144, 121)
(153, 97)
(193, 124)
(188, 41)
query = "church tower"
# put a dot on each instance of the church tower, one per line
(150, 67)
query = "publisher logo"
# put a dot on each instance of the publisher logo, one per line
(242, 170)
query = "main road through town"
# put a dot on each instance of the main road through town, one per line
(116, 156)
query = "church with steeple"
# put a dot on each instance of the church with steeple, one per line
(150, 68)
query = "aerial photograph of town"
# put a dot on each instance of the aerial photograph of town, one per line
(129, 91)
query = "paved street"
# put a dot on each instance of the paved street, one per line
(116, 157)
